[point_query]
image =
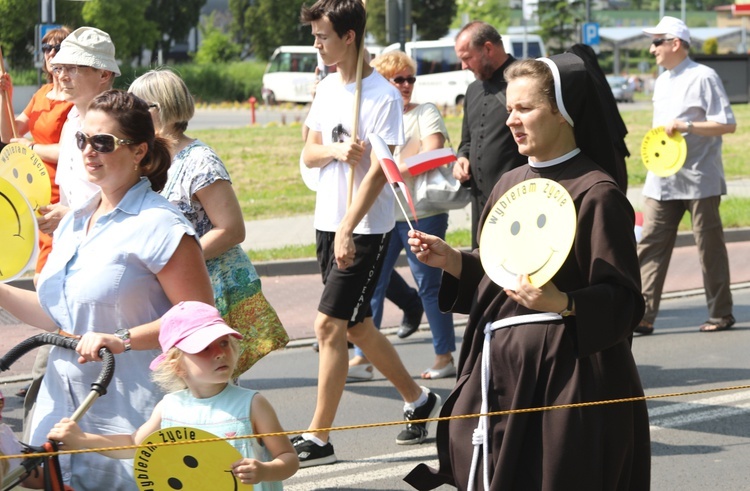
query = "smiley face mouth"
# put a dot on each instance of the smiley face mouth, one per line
(513, 273)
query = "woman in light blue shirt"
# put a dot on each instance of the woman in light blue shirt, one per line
(118, 264)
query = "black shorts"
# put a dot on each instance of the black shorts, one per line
(347, 293)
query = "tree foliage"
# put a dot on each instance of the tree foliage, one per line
(16, 29)
(494, 12)
(267, 24)
(560, 22)
(217, 46)
(433, 18)
(132, 24)
(125, 22)
(174, 19)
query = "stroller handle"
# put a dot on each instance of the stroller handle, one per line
(108, 359)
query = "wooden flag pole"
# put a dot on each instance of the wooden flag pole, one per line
(357, 101)
(9, 103)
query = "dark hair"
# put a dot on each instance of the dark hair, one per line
(344, 15)
(134, 119)
(481, 32)
(54, 36)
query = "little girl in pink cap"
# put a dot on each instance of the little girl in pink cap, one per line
(199, 353)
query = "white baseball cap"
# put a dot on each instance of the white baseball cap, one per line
(672, 26)
(88, 46)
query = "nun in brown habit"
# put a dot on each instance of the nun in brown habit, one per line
(565, 342)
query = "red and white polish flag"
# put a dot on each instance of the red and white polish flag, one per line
(390, 169)
(422, 162)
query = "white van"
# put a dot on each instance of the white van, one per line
(441, 80)
(290, 74)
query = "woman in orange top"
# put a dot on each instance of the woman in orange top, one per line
(43, 118)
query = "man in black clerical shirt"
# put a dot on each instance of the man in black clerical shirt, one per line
(487, 148)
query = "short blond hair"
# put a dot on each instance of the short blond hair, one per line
(165, 88)
(389, 64)
(167, 374)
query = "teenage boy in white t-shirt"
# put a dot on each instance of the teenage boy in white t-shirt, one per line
(351, 241)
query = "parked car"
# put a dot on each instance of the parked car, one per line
(622, 88)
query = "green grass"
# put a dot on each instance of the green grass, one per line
(264, 164)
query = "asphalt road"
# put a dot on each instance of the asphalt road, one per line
(699, 442)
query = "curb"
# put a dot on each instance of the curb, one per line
(291, 267)
(310, 266)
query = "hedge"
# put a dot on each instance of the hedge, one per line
(213, 82)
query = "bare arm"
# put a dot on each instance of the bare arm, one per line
(49, 152)
(435, 252)
(701, 128)
(315, 154)
(24, 304)
(184, 277)
(70, 434)
(368, 192)
(224, 211)
(285, 462)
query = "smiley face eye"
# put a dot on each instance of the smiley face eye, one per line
(541, 220)
(15, 173)
(515, 227)
(29, 178)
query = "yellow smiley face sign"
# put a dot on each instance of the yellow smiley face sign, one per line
(530, 230)
(18, 232)
(22, 166)
(662, 154)
(194, 467)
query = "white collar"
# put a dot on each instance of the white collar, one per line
(555, 161)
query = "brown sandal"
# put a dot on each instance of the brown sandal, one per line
(644, 328)
(714, 325)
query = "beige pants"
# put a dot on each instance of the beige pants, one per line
(660, 222)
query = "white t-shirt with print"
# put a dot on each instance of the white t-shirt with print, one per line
(380, 113)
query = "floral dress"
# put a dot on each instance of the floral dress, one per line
(237, 288)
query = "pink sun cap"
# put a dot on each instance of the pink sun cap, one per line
(190, 326)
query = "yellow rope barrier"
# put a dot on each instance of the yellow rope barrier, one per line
(392, 423)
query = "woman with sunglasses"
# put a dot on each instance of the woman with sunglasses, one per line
(424, 130)
(118, 264)
(199, 185)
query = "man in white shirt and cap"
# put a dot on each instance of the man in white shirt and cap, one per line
(688, 98)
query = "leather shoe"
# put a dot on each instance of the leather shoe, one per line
(410, 323)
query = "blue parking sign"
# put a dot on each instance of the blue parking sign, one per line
(591, 33)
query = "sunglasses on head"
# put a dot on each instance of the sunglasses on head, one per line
(659, 41)
(400, 80)
(101, 143)
(46, 47)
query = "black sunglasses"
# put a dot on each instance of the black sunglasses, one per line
(101, 143)
(46, 47)
(659, 41)
(400, 80)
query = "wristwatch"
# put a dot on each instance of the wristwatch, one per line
(689, 126)
(124, 335)
(568, 310)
